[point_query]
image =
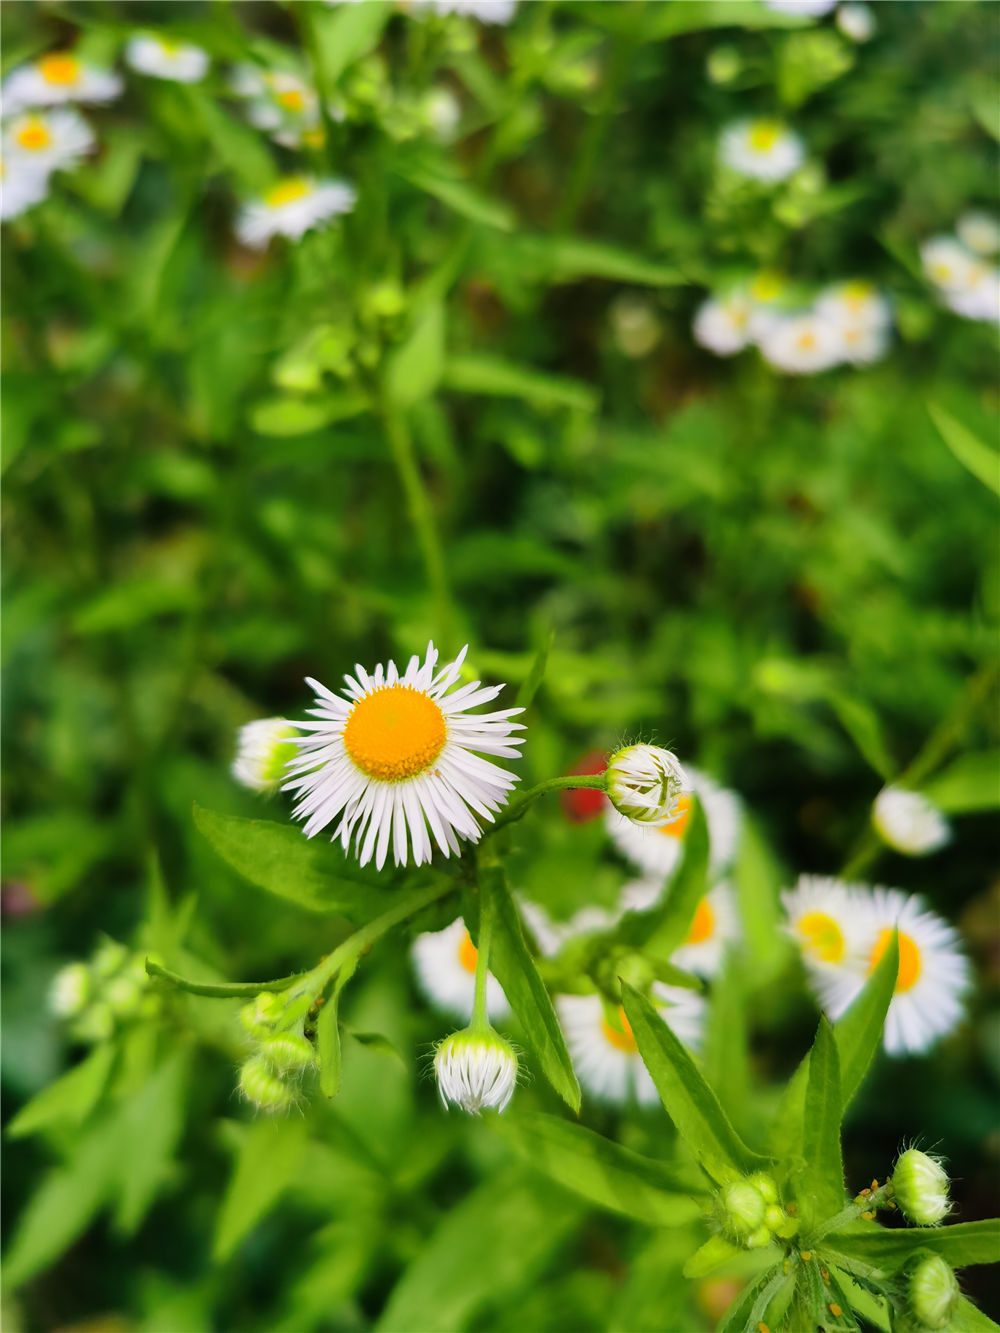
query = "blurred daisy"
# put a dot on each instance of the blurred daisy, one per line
(823, 921)
(162, 58)
(947, 262)
(768, 292)
(656, 850)
(280, 103)
(262, 751)
(722, 323)
(58, 77)
(802, 344)
(21, 187)
(47, 141)
(486, 11)
(979, 232)
(765, 150)
(551, 936)
(603, 1049)
(933, 972)
(441, 112)
(445, 964)
(856, 21)
(810, 8)
(714, 927)
(908, 821)
(397, 758)
(979, 298)
(854, 304)
(291, 207)
(863, 345)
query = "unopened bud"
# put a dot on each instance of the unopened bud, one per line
(260, 1085)
(759, 1239)
(70, 990)
(724, 64)
(288, 1052)
(921, 1184)
(108, 958)
(744, 1209)
(262, 751)
(933, 1292)
(476, 1068)
(645, 784)
(263, 1011)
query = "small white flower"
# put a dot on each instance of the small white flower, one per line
(863, 344)
(486, 11)
(656, 850)
(262, 753)
(908, 821)
(646, 783)
(47, 141)
(58, 77)
(765, 150)
(856, 21)
(21, 187)
(802, 344)
(854, 304)
(979, 299)
(713, 928)
(291, 208)
(476, 1070)
(723, 323)
(71, 990)
(445, 964)
(441, 111)
(157, 56)
(979, 232)
(824, 922)
(603, 1049)
(947, 263)
(398, 759)
(810, 8)
(768, 291)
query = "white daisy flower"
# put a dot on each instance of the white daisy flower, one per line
(802, 344)
(445, 964)
(856, 21)
(714, 926)
(21, 187)
(292, 207)
(853, 304)
(656, 850)
(933, 972)
(398, 759)
(161, 58)
(476, 1070)
(863, 344)
(47, 141)
(722, 323)
(979, 299)
(765, 150)
(603, 1049)
(768, 291)
(262, 752)
(979, 232)
(810, 8)
(58, 77)
(909, 822)
(947, 263)
(824, 922)
(486, 11)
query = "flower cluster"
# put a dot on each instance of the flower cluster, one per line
(963, 267)
(96, 997)
(281, 1057)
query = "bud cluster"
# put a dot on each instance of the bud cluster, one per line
(97, 996)
(269, 1078)
(751, 1212)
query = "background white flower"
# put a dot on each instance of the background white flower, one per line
(47, 141)
(21, 187)
(292, 207)
(58, 77)
(445, 964)
(722, 323)
(908, 821)
(765, 150)
(161, 58)
(802, 344)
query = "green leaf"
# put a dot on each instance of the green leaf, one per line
(70, 1099)
(534, 678)
(147, 1129)
(597, 1168)
(311, 873)
(726, 1057)
(378, 1042)
(824, 1167)
(968, 1318)
(266, 1164)
(861, 723)
(695, 15)
(514, 968)
(962, 1244)
(569, 258)
(504, 379)
(808, 61)
(484, 1250)
(758, 877)
(347, 33)
(328, 1045)
(716, 1253)
(738, 1317)
(286, 416)
(690, 1102)
(132, 602)
(414, 370)
(982, 461)
(239, 149)
(464, 199)
(971, 782)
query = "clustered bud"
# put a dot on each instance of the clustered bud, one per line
(269, 1077)
(933, 1292)
(752, 1214)
(476, 1069)
(96, 996)
(645, 784)
(920, 1186)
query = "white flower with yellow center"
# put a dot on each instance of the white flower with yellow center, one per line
(824, 921)
(291, 207)
(863, 344)
(656, 850)
(802, 344)
(768, 292)
(808, 8)
(161, 58)
(979, 232)
(398, 759)
(603, 1049)
(262, 751)
(445, 964)
(765, 150)
(58, 77)
(854, 304)
(713, 928)
(47, 141)
(909, 822)
(722, 323)
(979, 299)
(947, 263)
(856, 21)
(21, 187)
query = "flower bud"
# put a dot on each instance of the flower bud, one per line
(645, 784)
(920, 1184)
(856, 21)
(724, 64)
(262, 753)
(744, 1208)
(70, 990)
(288, 1052)
(123, 994)
(933, 1292)
(96, 1023)
(260, 1085)
(765, 1186)
(908, 822)
(475, 1068)
(263, 1011)
(108, 958)
(759, 1239)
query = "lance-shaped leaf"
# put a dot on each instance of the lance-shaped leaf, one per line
(690, 1102)
(534, 678)
(968, 1318)
(747, 1311)
(266, 1165)
(70, 1099)
(603, 1172)
(886, 1251)
(823, 1178)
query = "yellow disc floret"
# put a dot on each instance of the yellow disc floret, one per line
(60, 69)
(764, 135)
(909, 959)
(619, 1037)
(287, 191)
(33, 135)
(394, 733)
(703, 925)
(822, 937)
(468, 953)
(676, 828)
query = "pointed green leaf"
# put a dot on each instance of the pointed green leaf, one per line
(347, 33)
(147, 1128)
(737, 1317)
(977, 457)
(534, 678)
(690, 1102)
(603, 1172)
(266, 1164)
(726, 1063)
(504, 379)
(464, 199)
(969, 1318)
(716, 1253)
(824, 1167)
(70, 1099)
(376, 1041)
(328, 1046)
(962, 1244)
(414, 369)
(971, 782)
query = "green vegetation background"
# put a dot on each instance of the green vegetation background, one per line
(791, 582)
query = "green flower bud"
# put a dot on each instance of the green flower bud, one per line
(921, 1183)
(70, 991)
(96, 1023)
(744, 1208)
(765, 1186)
(288, 1052)
(260, 1085)
(724, 64)
(108, 958)
(759, 1239)
(123, 994)
(263, 1011)
(933, 1292)
(476, 1069)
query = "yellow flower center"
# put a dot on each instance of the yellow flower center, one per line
(468, 953)
(857, 294)
(822, 937)
(292, 99)
(287, 191)
(619, 1037)
(60, 69)
(679, 825)
(33, 135)
(394, 733)
(805, 342)
(703, 925)
(941, 272)
(909, 959)
(764, 135)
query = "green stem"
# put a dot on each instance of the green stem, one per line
(221, 990)
(519, 807)
(869, 1204)
(480, 1017)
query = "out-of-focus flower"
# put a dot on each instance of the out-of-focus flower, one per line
(979, 299)
(714, 927)
(635, 325)
(398, 758)
(809, 8)
(45, 141)
(281, 103)
(765, 150)
(21, 186)
(921, 1187)
(161, 58)
(947, 262)
(863, 344)
(656, 850)
(476, 1070)
(441, 112)
(856, 21)
(486, 11)
(824, 921)
(445, 964)
(979, 232)
(646, 784)
(583, 804)
(802, 344)
(933, 1292)
(768, 293)
(58, 77)
(967, 283)
(291, 208)
(722, 323)
(262, 752)
(71, 990)
(854, 303)
(909, 822)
